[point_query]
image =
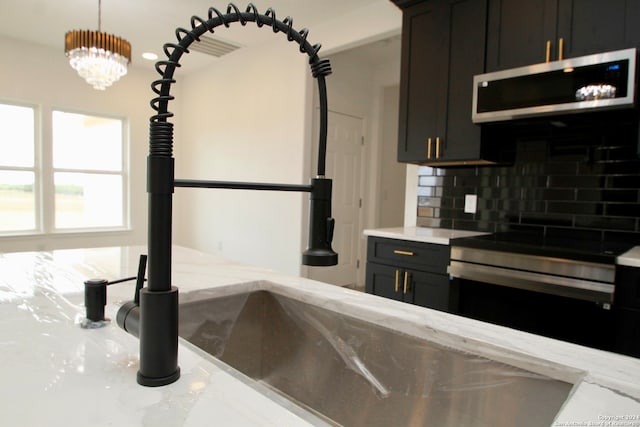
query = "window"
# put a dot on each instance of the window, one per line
(81, 185)
(87, 171)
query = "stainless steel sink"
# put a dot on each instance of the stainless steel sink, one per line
(356, 373)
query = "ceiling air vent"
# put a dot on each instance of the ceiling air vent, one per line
(213, 47)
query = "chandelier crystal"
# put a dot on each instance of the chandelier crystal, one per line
(99, 58)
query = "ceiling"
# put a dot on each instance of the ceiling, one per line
(148, 24)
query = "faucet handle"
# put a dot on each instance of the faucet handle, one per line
(142, 267)
(331, 224)
(133, 307)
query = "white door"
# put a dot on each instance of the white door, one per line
(344, 146)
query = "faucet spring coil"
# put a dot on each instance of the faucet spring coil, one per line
(322, 67)
(161, 139)
(199, 26)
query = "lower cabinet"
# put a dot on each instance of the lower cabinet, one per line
(408, 271)
(627, 339)
(627, 311)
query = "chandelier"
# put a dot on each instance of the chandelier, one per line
(99, 58)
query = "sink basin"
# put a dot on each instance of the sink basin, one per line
(357, 373)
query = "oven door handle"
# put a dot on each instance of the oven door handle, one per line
(556, 285)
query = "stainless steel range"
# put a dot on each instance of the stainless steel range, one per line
(556, 275)
(558, 286)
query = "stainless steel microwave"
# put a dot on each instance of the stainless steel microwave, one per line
(586, 83)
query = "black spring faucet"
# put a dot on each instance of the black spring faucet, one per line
(154, 317)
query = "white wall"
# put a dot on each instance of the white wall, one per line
(42, 76)
(392, 174)
(244, 120)
(249, 117)
(379, 19)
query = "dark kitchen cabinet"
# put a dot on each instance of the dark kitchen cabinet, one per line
(411, 272)
(627, 311)
(443, 47)
(528, 32)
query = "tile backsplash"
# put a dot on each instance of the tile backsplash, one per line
(557, 184)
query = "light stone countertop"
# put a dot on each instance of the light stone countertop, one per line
(439, 236)
(55, 373)
(631, 258)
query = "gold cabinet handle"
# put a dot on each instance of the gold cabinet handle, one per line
(560, 49)
(399, 252)
(548, 53)
(429, 148)
(437, 147)
(406, 282)
(397, 280)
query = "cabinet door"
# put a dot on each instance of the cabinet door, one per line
(518, 31)
(384, 281)
(461, 138)
(627, 310)
(627, 331)
(429, 290)
(627, 292)
(423, 79)
(593, 26)
(443, 48)
(411, 286)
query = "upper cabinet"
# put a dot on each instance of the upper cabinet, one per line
(446, 42)
(443, 47)
(528, 32)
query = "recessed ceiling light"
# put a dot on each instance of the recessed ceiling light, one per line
(150, 56)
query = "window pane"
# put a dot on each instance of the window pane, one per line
(16, 145)
(17, 201)
(88, 200)
(86, 142)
